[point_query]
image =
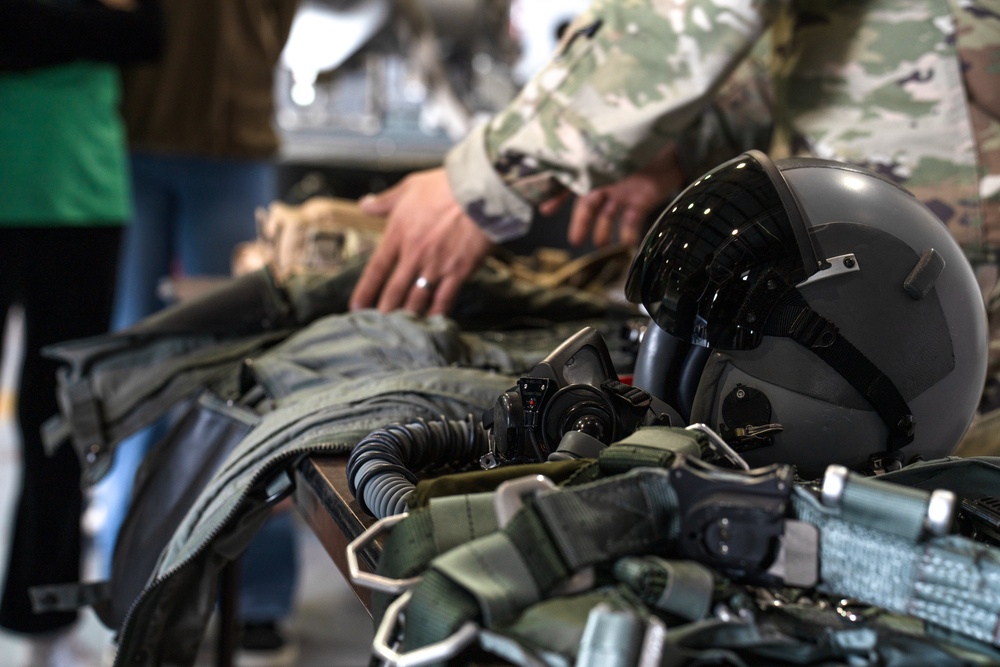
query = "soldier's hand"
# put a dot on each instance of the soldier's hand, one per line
(625, 205)
(429, 247)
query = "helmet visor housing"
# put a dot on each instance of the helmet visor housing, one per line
(702, 256)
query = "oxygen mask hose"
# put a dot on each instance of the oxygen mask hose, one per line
(384, 466)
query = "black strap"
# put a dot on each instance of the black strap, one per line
(636, 397)
(649, 410)
(69, 596)
(791, 317)
(86, 422)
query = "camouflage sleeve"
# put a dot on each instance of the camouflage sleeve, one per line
(498, 209)
(739, 117)
(629, 76)
(978, 44)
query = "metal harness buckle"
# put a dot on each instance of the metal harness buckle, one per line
(425, 655)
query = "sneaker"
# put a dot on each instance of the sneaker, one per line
(265, 645)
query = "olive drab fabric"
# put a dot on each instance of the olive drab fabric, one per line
(883, 596)
(112, 386)
(332, 383)
(908, 89)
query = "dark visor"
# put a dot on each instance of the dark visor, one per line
(701, 257)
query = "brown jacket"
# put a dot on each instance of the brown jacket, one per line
(211, 93)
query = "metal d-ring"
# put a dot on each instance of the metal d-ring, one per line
(720, 445)
(376, 582)
(509, 496)
(425, 655)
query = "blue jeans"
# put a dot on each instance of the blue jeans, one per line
(190, 213)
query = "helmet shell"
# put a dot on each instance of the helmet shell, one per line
(910, 304)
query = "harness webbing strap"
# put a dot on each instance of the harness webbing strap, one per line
(681, 587)
(950, 581)
(430, 531)
(547, 632)
(459, 519)
(554, 535)
(438, 608)
(492, 571)
(528, 533)
(627, 514)
(652, 446)
(486, 481)
(611, 638)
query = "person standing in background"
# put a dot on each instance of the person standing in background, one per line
(202, 148)
(64, 198)
(202, 143)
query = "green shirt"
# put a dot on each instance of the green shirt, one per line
(63, 158)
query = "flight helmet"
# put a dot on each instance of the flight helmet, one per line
(844, 323)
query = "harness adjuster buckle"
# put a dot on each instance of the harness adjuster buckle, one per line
(813, 330)
(733, 521)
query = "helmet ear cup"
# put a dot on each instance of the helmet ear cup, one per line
(669, 368)
(823, 419)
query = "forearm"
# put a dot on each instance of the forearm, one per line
(35, 34)
(628, 78)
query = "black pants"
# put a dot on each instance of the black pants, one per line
(63, 277)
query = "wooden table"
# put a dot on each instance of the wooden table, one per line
(325, 501)
(323, 498)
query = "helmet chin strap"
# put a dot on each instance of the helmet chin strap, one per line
(786, 313)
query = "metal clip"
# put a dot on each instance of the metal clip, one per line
(376, 582)
(893, 508)
(856, 612)
(835, 266)
(752, 431)
(436, 652)
(720, 446)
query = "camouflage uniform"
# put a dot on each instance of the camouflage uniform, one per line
(908, 88)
